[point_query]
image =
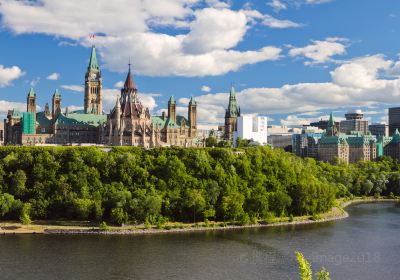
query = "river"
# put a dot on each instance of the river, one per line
(364, 246)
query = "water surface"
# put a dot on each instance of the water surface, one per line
(364, 246)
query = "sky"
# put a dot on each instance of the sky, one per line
(292, 60)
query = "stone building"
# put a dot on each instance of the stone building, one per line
(231, 115)
(348, 148)
(58, 128)
(392, 147)
(130, 123)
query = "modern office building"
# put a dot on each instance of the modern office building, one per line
(394, 120)
(251, 127)
(306, 143)
(379, 129)
(354, 122)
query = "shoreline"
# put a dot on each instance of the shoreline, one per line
(336, 213)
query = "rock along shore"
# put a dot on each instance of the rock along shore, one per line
(336, 213)
(332, 216)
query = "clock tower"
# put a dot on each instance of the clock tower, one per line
(93, 86)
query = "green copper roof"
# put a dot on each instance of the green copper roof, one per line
(42, 120)
(331, 122)
(28, 123)
(82, 119)
(233, 108)
(93, 65)
(31, 92)
(57, 93)
(168, 123)
(172, 100)
(193, 101)
(351, 140)
(16, 114)
(396, 137)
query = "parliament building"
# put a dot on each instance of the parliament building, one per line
(128, 124)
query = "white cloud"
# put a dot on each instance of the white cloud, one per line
(7, 75)
(76, 88)
(72, 108)
(34, 82)
(319, 52)
(365, 87)
(205, 89)
(207, 48)
(7, 105)
(277, 5)
(361, 72)
(215, 29)
(53, 77)
(272, 22)
(253, 16)
(119, 84)
(296, 120)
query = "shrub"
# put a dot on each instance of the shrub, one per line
(315, 217)
(24, 216)
(119, 216)
(103, 226)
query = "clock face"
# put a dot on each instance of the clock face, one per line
(93, 76)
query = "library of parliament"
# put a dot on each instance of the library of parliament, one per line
(129, 123)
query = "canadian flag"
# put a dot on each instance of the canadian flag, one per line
(91, 36)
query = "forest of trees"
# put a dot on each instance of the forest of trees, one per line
(133, 185)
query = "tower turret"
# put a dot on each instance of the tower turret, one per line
(93, 86)
(231, 114)
(56, 108)
(31, 101)
(192, 111)
(172, 109)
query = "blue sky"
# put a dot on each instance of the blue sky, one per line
(293, 60)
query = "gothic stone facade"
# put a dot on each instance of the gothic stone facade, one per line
(130, 123)
(231, 114)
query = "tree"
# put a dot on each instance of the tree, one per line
(25, 214)
(194, 199)
(18, 180)
(6, 203)
(211, 141)
(232, 205)
(304, 267)
(119, 216)
(305, 270)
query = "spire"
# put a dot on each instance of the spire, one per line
(57, 93)
(233, 108)
(172, 100)
(331, 122)
(129, 83)
(192, 101)
(232, 92)
(31, 92)
(93, 65)
(117, 104)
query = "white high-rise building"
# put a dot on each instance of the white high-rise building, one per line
(251, 127)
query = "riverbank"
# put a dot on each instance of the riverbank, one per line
(69, 227)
